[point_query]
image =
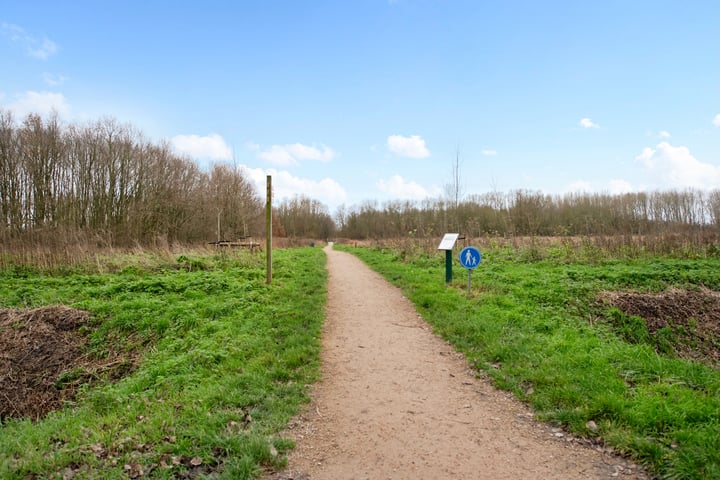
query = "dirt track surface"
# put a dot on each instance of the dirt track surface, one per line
(397, 402)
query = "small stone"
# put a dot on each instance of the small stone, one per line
(592, 426)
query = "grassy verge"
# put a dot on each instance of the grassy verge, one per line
(225, 360)
(537, 330)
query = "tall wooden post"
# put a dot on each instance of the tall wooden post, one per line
(268, 228)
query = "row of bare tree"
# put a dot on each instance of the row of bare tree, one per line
(303, 217)
(529, 213)
(104, 181)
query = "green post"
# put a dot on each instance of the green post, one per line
(448, 266)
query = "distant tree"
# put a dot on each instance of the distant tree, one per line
(12, 176)
(234, 201)
(103, 180)
(453, 194)
(303, 217)
(713, 206)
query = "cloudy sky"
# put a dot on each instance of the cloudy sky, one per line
(353, 100)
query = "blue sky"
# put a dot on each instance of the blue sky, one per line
(347, 101)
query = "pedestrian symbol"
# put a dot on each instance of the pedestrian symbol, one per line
(470, 257)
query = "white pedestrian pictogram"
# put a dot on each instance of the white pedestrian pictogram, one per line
(470, 258)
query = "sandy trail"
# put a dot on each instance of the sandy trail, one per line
(397, 402)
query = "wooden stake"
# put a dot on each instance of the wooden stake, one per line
(268, 228)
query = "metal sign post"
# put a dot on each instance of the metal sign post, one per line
(470, 258)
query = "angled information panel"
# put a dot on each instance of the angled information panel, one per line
(448, 241)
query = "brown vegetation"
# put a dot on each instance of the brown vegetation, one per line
(704, 243)
(528, 213)
(304, 217)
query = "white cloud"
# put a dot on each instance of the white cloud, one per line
(618, 186)
(412, 146)
(210, 146)
(398, 187)
(578, 186)
(38, 48)
(488, 152)
(292, 154)
(285, 185)
(675, 167)
(53, 80)
(44, 50)
(664, 134)
(716, 120)
(42, 103)
(587, 123)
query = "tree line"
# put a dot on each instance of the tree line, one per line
(532, 213)
(104, 182)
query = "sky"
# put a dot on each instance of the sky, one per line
(356, 101)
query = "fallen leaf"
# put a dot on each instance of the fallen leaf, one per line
(134, 469)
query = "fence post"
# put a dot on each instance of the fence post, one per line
(268, 228)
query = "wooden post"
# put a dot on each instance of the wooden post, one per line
(218, 230)
(268, 228)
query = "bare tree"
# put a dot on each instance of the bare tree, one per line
(453, 194)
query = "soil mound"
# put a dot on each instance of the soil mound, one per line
(683, 322)
(37, 348)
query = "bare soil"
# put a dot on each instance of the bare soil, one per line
(43, 360)
(397, 402)
(688, 320)
(36, 346)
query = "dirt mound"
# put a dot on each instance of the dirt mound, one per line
(39, 351)
(683, 322)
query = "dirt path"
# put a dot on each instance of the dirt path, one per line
(397, 402)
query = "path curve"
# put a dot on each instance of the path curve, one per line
(397, 402)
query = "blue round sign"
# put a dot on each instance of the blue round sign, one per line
(470, 257)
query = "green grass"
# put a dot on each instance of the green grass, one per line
(225, 360)
(533, 324)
